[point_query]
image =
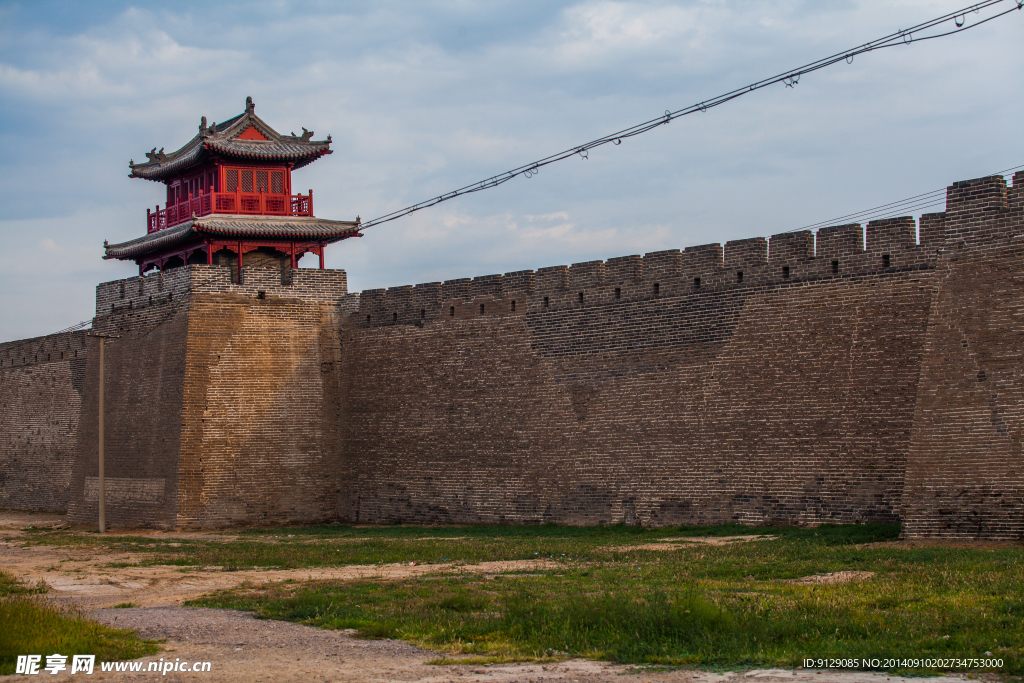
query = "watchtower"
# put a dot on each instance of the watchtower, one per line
(230, 201)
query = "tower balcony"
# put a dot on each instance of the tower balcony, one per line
(246, 203)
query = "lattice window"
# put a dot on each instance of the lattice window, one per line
(246, 180)
(261, 182)
(232, 180)
(277, 182)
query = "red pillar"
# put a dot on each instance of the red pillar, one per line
(321, 256)
(209, 254)
(239, 263)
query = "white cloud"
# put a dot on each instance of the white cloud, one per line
(422, 99)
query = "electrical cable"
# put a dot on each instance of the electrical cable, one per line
(74, 328)
(893, 209)
(788, 78)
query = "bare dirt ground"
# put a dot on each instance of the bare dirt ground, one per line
(834, 577)
(675, 542)
(243, 649)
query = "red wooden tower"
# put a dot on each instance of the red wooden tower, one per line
(230, 201)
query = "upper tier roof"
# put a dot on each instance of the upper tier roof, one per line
(224, 139)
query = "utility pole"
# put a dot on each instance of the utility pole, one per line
(102, 493)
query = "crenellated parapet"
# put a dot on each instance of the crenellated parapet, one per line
(783, 259)
(979, 210)
(53, 348)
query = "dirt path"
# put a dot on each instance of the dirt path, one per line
(242, 649)
(86, 576)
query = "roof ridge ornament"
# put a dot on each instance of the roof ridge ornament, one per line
(306, 135)
(156, 156)
(250, 107)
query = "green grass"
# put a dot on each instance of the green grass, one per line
(338, 545)
(700, 605)
(31, 624)
(10, 585)
(728, 606)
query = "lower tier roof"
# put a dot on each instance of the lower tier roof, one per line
(222, 226)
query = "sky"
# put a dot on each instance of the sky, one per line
(424, 97)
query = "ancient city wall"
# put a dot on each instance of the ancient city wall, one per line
(860, 374)
(759, 383)
(41, 382)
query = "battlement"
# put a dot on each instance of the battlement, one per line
(839, 241)
(756, 262)
(881, 246)
(891, 234)
(305, 283)
(149, 296)
(53, 348)
(748, 253)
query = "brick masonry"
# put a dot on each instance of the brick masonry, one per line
(965, 468)
(221, 399)
(781, 398)
(41, 382)
(861, 374)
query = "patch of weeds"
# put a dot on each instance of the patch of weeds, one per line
(10, 585)
(34, 624)
(124, 605)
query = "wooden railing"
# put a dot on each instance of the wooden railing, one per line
(257, 203)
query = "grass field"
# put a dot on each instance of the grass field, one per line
(31, 624)
(684, 604)
(335, 545)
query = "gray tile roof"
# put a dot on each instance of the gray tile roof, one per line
(221, 139)
(220, 226)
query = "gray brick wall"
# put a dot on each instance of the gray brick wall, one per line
(790, 380)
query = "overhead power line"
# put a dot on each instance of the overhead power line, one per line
(914, 34)
(894, 209)
(77, 326)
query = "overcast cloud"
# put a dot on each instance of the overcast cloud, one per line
(424, 97)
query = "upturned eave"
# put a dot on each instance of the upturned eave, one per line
(240, 227)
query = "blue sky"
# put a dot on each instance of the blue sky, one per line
(424, 97)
